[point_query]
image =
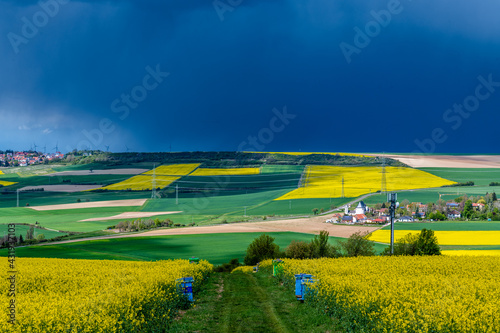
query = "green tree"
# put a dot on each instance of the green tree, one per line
(427, 243)
(30, 233)
(262, 247)
(358, 245)
(315, 211)
(319, 244)
(468, 211)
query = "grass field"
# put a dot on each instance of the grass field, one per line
(216, 248)
(332, 181)
(22, 229)
(65, 220)
(213, 205)
(9, 200)
(297, 206)
(282, 169)
(482, 177)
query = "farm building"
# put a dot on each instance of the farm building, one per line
(454, 214)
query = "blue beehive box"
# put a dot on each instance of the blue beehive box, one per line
(301, 281)
(186, 287)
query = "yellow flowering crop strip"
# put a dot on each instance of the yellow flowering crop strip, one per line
(306, 153)
(244, 269)
(174, 169)
(164, 176)
(444, 237)
(69, 295)
(225, 172)
(6, 183)
(326, 181)
(1, 172)
(406, 294)
(471, 252)
(141, 183)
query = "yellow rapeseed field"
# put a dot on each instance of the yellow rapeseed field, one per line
(225, 172)
(471, 252)
(405, 294)
(310, 153)
(6, 183)
(68, 295)
(1, 172)
(444, 237)
(174, 169)
(141, 183)
(244, 269)
(326, 181)
(164, 174)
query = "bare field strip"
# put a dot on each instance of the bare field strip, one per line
(447, 161)
(61, 188)
(312, 225)
(98, 172)
(129, 215)
(94, 204)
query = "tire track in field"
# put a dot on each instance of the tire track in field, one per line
(246, 307)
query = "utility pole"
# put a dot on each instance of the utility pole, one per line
(153, 186)
(342, 186)
(392, 197)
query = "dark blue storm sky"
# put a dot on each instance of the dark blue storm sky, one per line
(271, 75)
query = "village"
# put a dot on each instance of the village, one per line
(462, 208)
(24, 158)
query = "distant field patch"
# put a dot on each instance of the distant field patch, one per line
(225, 171)
(282, 168)
(1, 172)
(129, 215)
(95, 204)
(444, 237)
(61, 188)
(98, 172)
(174, 169)
(311, 153)
(141, 183)
(6, 183)
(475, 253)
(326, 181)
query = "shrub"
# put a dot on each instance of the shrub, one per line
(262, 247)
(299, 250)
(424, 243)
(358, 245)
(228, 267)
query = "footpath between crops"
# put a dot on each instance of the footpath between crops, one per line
(250, 302)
